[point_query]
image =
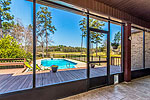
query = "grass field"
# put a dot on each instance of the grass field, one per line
(63, 54)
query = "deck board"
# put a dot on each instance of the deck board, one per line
(8, 82)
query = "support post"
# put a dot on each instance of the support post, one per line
(144, 49)
(99, 59)
(122, 47)
(34, 43)
(88, 51)
(108, 54)
(127, 53)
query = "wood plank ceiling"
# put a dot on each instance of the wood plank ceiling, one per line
(137, 8)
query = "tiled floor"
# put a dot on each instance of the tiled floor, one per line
(138, 89)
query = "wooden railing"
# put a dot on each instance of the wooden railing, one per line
(12, 61)
(116, 61)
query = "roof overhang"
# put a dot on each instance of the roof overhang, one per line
(137, 8)
(103, 8)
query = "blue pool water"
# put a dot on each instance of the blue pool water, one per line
(61, 63)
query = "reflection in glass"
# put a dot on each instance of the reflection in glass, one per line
(115, 48)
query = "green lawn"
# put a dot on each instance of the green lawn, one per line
(103, 54)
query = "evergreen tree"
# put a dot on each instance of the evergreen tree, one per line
(45, 27)
(5, 17)
(95, 36)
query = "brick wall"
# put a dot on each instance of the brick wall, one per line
(147, 50)
(137, 50)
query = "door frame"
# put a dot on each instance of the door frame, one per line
(88, 53)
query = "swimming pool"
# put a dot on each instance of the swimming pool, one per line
(61, 63)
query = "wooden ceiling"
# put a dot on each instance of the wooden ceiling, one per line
(137, 8)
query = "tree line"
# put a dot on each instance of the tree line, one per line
(62, 48)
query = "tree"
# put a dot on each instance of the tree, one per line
(17, 31)
(104, 47)
(83, 25)
(28, 38)
(5, 17)
(40, 37)
(22, 34)
(117, 37)
(44, 20)
(95, 36)
(116, 40)
(10, 48)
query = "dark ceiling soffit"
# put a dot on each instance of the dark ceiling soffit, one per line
(136, 8)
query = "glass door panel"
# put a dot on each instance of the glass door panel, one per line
(98, 57)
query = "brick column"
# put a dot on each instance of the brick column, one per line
(127, 53)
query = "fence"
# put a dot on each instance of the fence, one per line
(11, 62)
(116, 61)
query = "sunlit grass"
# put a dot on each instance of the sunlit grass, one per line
(102, 54)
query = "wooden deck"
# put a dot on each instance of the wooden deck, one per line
(9, 83)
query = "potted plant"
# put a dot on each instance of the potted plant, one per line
(115, 45)
(54, 68)
(92, 65)
(116, 40)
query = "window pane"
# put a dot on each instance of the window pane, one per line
(61, 46)
(98, 52)
(16, 46)
(115, 48)
(98, 23)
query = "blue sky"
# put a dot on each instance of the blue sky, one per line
(67, 23)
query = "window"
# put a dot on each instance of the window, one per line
(115, 48)
(61, 46)
(16, 46)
